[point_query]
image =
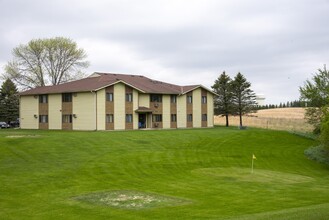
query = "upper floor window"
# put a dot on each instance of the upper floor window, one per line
(67, 97)
(43, 98)
(189, 99)
(173, 98)
(129, 97)
(109, 97)
(156, 98)
(204, 99)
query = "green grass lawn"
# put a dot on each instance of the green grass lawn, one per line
(164, 174)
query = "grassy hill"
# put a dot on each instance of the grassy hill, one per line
(291, 119)
(162, 174)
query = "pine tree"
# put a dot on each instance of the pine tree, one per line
(243, 98)
(223, 102)
(9, 102)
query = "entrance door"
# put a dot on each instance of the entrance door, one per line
(142, 121)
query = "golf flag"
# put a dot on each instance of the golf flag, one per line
(254, 157)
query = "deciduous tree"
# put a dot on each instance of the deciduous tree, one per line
(46, 62)
(316, 93)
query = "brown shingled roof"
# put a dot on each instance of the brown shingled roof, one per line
(98, 81)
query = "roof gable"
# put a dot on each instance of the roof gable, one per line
(98, 81)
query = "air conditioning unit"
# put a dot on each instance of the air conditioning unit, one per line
(156, 105)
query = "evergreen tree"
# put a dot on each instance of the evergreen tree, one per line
(223, 102)
(243, 98)
(9, 103)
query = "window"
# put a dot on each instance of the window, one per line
(189, 99)
(157, 118)
(173, 98)
(109, 97)
(67, 118)
(173, 117)
(204, 99)
(129, 97)
(109, 118)
(204, 117)
(129, 118)
(43, 118)
(189, 117)
(156, 98)
(67, 97)
(43, 98)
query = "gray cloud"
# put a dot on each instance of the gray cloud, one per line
(277, 45)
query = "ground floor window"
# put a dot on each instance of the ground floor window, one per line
(67, 118)
(109, 118)
(43, 118)
(189, 117)
(129, 118)
(173, 117)
(204, 117)
(157, 118)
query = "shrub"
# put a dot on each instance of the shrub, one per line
(318, 153)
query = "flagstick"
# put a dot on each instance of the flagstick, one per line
(252, 165)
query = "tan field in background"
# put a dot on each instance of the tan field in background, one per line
(290, 119)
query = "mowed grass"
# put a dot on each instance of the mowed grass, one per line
(196, 174)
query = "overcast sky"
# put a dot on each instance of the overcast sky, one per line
(276, 45)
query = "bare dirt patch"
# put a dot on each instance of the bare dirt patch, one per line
(126, 199)
(23, 136)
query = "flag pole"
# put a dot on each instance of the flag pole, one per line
(252, 165)
(253, 157)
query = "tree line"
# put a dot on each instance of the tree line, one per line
(291, 104)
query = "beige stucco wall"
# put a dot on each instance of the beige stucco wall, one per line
(84, 107)
(119, 106)
(210, 109)
(101, 115)
(166, 111)
(135, 106)
(144, 100)
(181, 111)
(197, 108)
(29, 106)
(54, 111)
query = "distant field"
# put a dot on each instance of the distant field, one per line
(291, 119)
(160, 174)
